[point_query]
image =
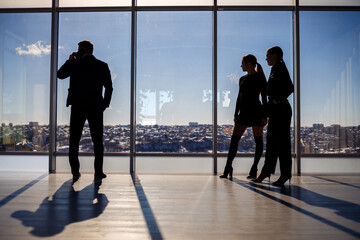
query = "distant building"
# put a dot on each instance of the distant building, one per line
(33, 124)
(194, 137)
(193, 124)
(318, 125)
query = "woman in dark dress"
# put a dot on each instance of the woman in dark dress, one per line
(249, 112)
(278, 141)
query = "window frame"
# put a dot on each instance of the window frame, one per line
(55, 9)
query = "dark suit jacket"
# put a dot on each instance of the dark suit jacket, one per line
(280, 85)
(88, 76)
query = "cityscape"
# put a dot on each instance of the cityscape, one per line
(192, 138)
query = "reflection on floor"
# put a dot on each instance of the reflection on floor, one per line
(37, 205)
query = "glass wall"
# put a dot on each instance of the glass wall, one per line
(254, 2)
(241, 33)
(329, 2)
(178, 164)
(94, 3)
(174, 82)
(173, 74)
(24, 81)
(26, 4)
(110, 34)
(118, 164)
(174, 2)
(330, 84)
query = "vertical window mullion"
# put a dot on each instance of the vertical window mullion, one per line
(53, 85)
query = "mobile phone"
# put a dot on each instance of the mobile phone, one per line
(80, 53)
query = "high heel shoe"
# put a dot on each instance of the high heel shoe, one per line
(261, 177)
(227, 171)
(252, 174)
(281, 181)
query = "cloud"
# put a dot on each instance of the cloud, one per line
(37, 49)
(234, 77)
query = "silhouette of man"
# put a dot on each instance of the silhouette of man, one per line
(88, 76)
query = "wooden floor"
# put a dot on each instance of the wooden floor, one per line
(38, 205)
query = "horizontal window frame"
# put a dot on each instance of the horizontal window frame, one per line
(155, 154)
(182, 8)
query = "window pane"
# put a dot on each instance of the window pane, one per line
(330, 2)
(338, 165)
(242, 166)
(110, 34)
(174, 82)
(174, 2)
(330, 86)
(188, 165)
(241, 33)
(26, 4)
(24, 81)
(254, 2)
(94, 3)
(24, 163)
(116, 164)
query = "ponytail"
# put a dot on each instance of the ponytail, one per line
(260, 70)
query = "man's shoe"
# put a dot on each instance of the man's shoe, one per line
(99, 176)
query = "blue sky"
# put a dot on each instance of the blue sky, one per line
(330, 67)
(241, 33)
(174, 59)
(174, 63)
(25, 67)
(110, 34)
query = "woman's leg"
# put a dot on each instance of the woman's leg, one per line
(258, 132)
(284, 146)
(285, 142)
(271, 152)
(272, 140)
(235, 138)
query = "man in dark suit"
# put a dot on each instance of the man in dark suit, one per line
(88, 76)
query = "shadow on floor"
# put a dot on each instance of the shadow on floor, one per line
(343, 208)
(21, 190)
(338, 182)
(66, 206)
(149, 216)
